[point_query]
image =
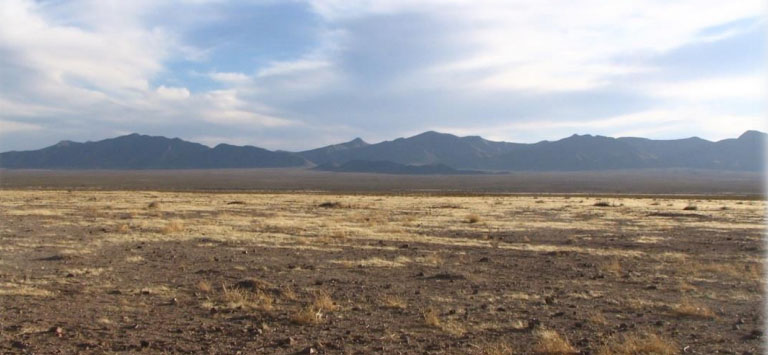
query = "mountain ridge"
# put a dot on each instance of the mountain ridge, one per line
(430, 149)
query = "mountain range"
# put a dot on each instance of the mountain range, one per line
(426, 153)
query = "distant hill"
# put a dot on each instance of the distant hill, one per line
(426, 153)
(426, 148)
(146, 152)
(388, 167)
(331, 153)
(575, 153)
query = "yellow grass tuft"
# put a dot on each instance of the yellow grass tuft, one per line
(307, 315)
(431, 317)
(235, 298)
(393, 301)
(172, 227)
(324, 302)
(497, 348)
(644, 343)
(204, 286)
(612, 267)
(551, 342)
(690, 308)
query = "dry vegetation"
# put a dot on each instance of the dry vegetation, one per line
(285, 273)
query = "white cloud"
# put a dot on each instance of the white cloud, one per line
(551, 45)
(230, 78)
(81, 63)
(7, 127)
(750, 87)
(292, 67)
(172, 93)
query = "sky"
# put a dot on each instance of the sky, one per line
(295, 75)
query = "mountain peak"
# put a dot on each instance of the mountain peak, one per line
(357, 142)
(750, 134)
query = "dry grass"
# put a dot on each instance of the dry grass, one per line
(690, 308)
(496, 348)
(740, 271)
(307, 315)
(288, 294)
(173, 227)
(324, 302)
(639, 343)
(612, 267)
(238, 298)
(551, 342)
(393, 301)
(204, 286)
(431, 317)
(597, 318)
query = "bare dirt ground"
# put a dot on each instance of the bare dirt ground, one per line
(171, 272)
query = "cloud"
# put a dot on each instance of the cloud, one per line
(171, 93)
(230, 78)
(305, 73)
(7, 127)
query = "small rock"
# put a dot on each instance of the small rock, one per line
(287, 341)
(308, 350)
(59, 331)
(19, 345)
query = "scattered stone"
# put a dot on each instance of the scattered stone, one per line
(19, 345)
(59, 331)
(330, 205)
(307, 350)
(56, 257)
(447, 276)
(287, 341)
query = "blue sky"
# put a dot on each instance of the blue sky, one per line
(300, 74)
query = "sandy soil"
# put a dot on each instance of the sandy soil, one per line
(111, 271)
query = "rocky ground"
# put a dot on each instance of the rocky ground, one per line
(99, 272)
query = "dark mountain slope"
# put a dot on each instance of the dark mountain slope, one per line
(427, 150)
(331, 153)
(146, 152)
(423, 149)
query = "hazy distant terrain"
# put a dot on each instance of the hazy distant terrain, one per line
(607, 182)
(426, 153)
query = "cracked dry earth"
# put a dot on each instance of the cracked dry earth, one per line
(160, 272)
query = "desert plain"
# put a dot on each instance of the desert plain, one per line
(203, 272)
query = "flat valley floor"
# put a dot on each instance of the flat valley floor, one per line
(172, 272)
